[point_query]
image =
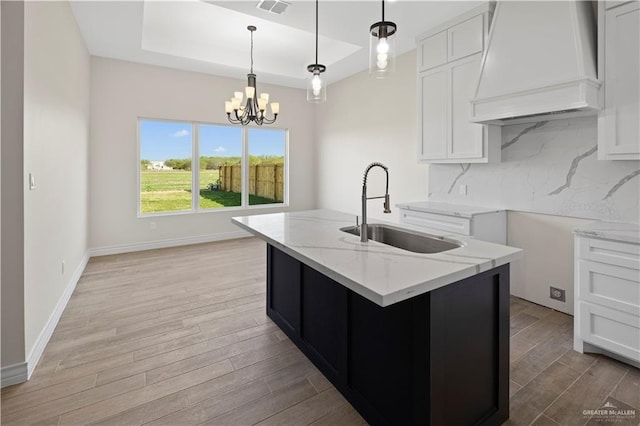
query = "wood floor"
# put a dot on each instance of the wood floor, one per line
(179, 336)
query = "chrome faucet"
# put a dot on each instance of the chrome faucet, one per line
(364, 235)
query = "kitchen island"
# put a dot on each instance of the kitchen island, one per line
(407, 338)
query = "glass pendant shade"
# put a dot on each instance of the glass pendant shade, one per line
(316, 87)
(382, 48)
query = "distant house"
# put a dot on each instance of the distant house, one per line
(158, 165)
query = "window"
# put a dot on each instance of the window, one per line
(237, 166)
(165, 168)
(220, 152)
(266, 166)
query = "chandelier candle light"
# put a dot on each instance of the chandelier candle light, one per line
(316, 88)
(382, 59)
(254, 109)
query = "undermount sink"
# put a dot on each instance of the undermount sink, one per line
(404, 239)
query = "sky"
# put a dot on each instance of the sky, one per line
(161, 140)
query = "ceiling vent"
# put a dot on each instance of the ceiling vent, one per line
(273, 6)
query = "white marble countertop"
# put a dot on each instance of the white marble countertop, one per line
(379, 272)
(617, 231)
(447, 208)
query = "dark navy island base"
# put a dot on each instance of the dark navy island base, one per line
(439, 358)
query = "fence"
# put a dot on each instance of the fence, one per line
(265, 180)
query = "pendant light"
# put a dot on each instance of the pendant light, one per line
(382, 59)
(316, 88)
(254, 110)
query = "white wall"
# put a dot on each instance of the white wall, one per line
(12, 197)
(123, 91)
(547, 242)
(366, 120)
(56, 146)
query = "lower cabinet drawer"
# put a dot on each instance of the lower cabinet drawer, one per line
(615, 331)
(609, 285)
(440, 222)
(612, 252)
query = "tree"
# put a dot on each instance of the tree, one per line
(144, 164)
(178, 163)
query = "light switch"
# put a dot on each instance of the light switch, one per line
(32, 182)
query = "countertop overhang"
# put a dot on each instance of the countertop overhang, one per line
(615, 231)
(378, 272)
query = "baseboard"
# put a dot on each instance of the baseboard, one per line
(41, 343)
(589, 348)
(174, 242)
(13, 374)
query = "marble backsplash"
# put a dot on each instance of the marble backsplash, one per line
(547, 167)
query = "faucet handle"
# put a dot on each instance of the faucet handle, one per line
(386, 204)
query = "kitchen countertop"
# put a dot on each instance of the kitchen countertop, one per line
(378, 272)
(447, 208)
(617, 231)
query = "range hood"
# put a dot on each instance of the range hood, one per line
(540, 63)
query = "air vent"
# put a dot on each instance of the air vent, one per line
(273, 6)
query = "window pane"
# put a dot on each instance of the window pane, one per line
(165, 166)
(266, 166)
(220, 166)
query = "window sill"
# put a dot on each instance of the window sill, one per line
(214, 210)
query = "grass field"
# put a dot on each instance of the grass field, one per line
(163, 191)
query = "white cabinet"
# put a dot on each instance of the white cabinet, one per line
(456, 42)
(433, 51)
(619, 70)
(467, 139)
(451, 219)
(466, 38)
(607, 296)
(448, 65)
(433, 89)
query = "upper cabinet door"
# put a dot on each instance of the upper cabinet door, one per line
(466, 137)
(433, 51)
(433, 89)
(449, 59)
(465, 39)
(618, 123)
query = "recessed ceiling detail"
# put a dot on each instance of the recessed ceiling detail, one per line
(202, 36)
(206, 32)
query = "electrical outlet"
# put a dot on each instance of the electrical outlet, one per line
(463, 189)
(556, 294)
(62, 269)
(152, 226)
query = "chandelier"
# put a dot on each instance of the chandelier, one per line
(255, 107)
(381, 47)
